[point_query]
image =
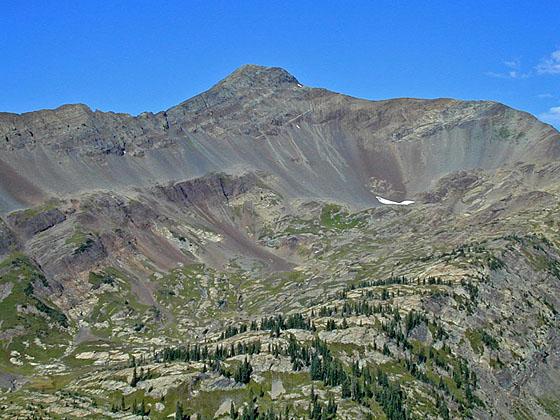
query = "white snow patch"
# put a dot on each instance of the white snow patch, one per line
(385, 201)
(299, 85)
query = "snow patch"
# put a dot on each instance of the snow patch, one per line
(385, 201)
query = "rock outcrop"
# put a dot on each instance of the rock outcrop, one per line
(31, 222)
(7, 239)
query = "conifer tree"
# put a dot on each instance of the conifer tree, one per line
(178, 411)
(134, 379)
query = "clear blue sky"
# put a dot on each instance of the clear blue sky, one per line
(134, 56)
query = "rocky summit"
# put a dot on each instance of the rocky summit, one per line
(271, 250)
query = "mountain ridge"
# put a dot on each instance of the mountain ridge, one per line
(257, 112)
(247, 72)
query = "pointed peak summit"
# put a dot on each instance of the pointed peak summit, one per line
(251, 76)
(249, 83)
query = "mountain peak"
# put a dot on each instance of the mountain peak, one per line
(249, 82)
(251, 76)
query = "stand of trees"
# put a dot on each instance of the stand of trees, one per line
(362, 384)
(197, 353)
(243, 372)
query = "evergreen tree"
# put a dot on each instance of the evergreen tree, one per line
(179, 411)
(134, 379)
(251, 412)
(330, 411)
(346, 391)
(315, 409)
(243, 372)
(386, 350)
(316, 370)
(331, 325)
(441, 405)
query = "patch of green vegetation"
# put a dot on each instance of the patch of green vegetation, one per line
(479, 338)
(123, 301)
(494, 263)
(298, 226)
(520, 412)
(84, 365)
(496, 363)
(77, 238)
(81, 241)
(397, 370)
(277, 282)
(83, 247)
(422, 404)
(292, 381)
(334, 217)
(37, 327)
(51, 383)
(52, 313)
(504, 133)
(206, 403)
(452, 387)
(346, 349)
(543, 262)
(489, 341)
(181, 285)
(98, 279)
(551, 405)
(475, 340)
(35, 211)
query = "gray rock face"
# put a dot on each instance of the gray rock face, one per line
(7, 238)
(421, 333)
(208, 189)
(28, 223)
(11, 382)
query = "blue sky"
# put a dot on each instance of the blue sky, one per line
(134, 56)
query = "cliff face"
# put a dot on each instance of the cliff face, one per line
(125, 235)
